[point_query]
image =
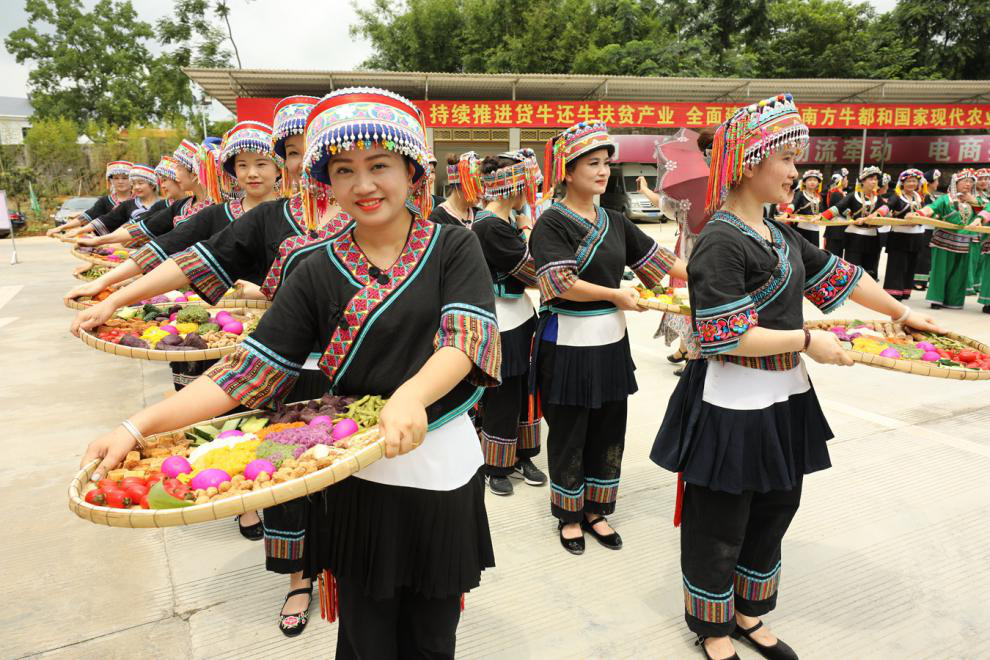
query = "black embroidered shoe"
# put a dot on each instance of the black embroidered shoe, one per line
(777, 651)
(611, 541)
(573, 546)
(254, 532)
(292, 625)
(700, 642)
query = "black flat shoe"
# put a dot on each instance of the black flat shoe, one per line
(936, 306)
(986, 309)
(701, 643)
(292, 625)
(573, 546)
(779, 651)
(254, 532)
(676, 357)
(611, 541)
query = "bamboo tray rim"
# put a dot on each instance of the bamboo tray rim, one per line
(233, 303)
(653, 303)
(154, 354)
(253, 500)
(94, 259)
(916, 367)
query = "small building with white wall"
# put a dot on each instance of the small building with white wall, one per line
(15, 114)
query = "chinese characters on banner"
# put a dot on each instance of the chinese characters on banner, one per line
(962, 149)
(619, 114)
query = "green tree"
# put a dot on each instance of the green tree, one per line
(56, 156)
(952, 37)
(86, 64)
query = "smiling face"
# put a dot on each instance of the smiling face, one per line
(371, 185)
(588, 175)
(811, 184)
(121, 184)
(185, 178)
(910, 184)
(869, 184)
(294, 148)
(964, 186)
(772, 179)
(983, 184)
(141, 188)
(256, 174)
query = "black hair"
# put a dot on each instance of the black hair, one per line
(492, 163)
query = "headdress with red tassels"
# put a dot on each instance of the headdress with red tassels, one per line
(362, 118)
(523, 176)
(570, 145)
(290, 119)
(748, 137)
(965, 173)
(245, 136)
(144, 173)
(466, 173)
(211, 175)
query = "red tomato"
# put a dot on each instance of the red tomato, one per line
(136, 491)
(131, 480)
(968, 355)
(118, 499)
(107, 485)
(153, 479)
(96, 497)
(144, 502)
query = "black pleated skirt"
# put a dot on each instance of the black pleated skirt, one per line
(517, 344)
(586, 376)
(387, 538)
(740, 450)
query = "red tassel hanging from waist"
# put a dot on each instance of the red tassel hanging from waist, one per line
(462, 602)
(328, 596)
(679, 502)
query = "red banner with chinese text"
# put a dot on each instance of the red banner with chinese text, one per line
(622, 114)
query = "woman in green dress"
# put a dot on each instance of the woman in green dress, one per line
(950, 247)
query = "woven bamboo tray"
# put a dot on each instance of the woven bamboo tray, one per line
(916, 367)
(79, 277)
(814, 220)
(154, 354)
(653, 303)
(242, 303)
(93, 259)
(345, 465)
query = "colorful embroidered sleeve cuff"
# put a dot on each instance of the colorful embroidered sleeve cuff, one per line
(137, 234)
(830, 287)
(473, 331)
(652, 268)
(830, 213)
(255, 375)
(719, 328)
(556, 277)
(205, 274)
(786, 208)
(149, 257)
(525, 270)
(99, 228)
(84, 217)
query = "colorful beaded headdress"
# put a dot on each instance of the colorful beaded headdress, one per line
(885, 180)
(362, 118)
(570, 145)
(965, 173)
(523, 176)
(185, 155)
(835, 180)
(816, 174)
(144, 173)
(247, 136)
(907, 174)
(752, 134)
(166, 168)
(466, 173)
(868, 171)
(982, 172)
(119, 167)
(290, 119)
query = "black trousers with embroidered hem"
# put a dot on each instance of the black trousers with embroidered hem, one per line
(584, 453)
(407, 625)
(730, 554)
(506, 434)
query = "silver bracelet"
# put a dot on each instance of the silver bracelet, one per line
(903, 317)
(135, 433)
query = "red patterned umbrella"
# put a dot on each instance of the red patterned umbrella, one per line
(683, 176)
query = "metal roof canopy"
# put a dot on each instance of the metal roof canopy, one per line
(226, 85)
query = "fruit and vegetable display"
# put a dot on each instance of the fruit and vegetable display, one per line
(176, 327)
(897, 342)
(669, 299)
(169, 298)
(238, 455)
(104, 253)
(92, 273)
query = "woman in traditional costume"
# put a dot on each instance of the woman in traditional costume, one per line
(807, 200)
(510, 430)
(744, 425)
(463, 177)
(905, 242)
(924, 267)
(584, 364)
(862, 243)
(835, 237)
(144, 199)
(118, 191)
(950, 247)
(404, 308)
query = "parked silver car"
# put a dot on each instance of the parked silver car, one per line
(71, 207)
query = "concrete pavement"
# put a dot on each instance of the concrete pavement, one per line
(886, 558)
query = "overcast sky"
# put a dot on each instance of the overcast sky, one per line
(318, 35)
